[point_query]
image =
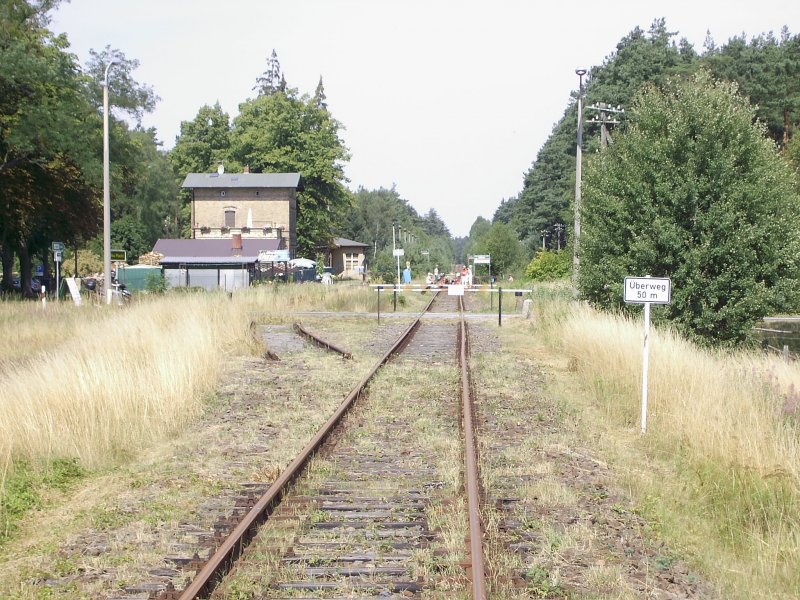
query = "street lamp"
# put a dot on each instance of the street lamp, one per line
(106, 194)
(576, 234)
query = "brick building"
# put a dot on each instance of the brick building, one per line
(253, 205)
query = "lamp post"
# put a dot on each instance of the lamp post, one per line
(576, 234)
(106, 194)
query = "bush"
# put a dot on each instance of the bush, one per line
(156, 284)
(549, 266)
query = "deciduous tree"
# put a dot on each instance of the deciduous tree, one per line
(695, 191)
(282, 133)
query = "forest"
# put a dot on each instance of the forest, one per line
(51, 161)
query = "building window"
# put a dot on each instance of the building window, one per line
(351, 261)
(230, 218)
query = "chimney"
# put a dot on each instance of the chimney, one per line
(236, 244)
(246, 169)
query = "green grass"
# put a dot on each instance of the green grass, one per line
(26, 487)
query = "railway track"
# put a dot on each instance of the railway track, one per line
(374, 506)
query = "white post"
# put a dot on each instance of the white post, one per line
(58, 278)
(645, 364)
(394, 247)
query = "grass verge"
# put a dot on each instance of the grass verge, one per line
(718, 472)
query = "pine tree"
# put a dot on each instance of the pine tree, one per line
(272, 80)
(319, 96)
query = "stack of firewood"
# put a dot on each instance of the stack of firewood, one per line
(151, 258)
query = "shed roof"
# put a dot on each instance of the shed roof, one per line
(218, 251)
(242, 180)
(343, 242)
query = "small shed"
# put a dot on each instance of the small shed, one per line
(224, 263)
(347, 257)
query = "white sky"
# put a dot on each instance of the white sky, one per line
(448, 100)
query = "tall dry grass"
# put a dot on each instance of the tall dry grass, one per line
(726, 424)
(130, 377)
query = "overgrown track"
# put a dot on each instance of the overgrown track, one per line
(372, 505)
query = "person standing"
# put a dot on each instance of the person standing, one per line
(407, 273)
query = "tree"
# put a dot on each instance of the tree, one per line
(49, 141)
(502, 243)
(768, 72)
(203, 144)
(272, 80)
(433, 224)
(696, 192)
(125, 94)
(155, 200)
(319, 95)
(283, 133)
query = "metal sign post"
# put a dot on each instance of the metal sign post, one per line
(647, 290)
(58, 249)
(58, 274)
(398, 252)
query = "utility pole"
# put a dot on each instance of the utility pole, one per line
(607, 115)
(559, 227)
(576, 260)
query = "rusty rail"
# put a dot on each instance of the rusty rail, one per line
(477, 558)
(232, 548)
(298, 327)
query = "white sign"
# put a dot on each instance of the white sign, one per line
(482, 259)
(58, 246)
(57, 256)
(74, 291)
(648, 290)
(398, 252)
(455, 290)
(273, 256)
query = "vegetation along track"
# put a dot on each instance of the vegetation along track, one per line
(373, 506)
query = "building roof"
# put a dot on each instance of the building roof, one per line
(217, 251)
(242, 180)
(341, 242)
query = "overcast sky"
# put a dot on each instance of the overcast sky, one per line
(448, 100)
